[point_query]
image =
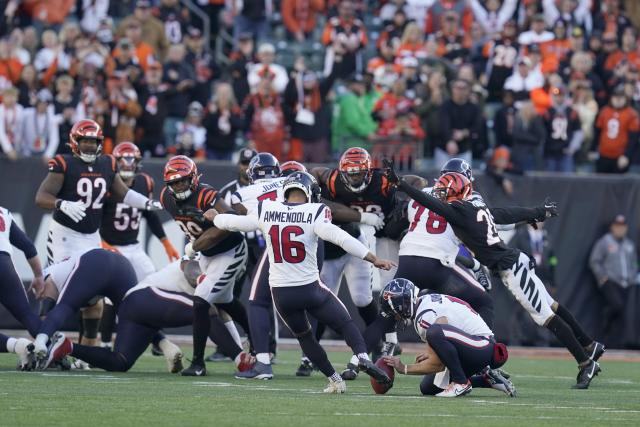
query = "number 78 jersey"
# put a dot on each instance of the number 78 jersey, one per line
(429, 235)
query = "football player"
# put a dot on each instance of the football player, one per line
(474, 225)
(292, 229)
(75, 189)
(161, 300)
(460, 344)
(223, 254)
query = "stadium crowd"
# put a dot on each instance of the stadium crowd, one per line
(519, 84)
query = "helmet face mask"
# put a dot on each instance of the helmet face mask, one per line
(355, 169)
(181, 188)
(85, 151)
(128, 156)
(451, 187)
(398, 299)
(85, 140)
(263, 166)
(181, 177)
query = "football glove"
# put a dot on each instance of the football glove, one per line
(390, 172)
(550, 208)
(188, 250)
(74, 210)
(152, 205)
(372, 219)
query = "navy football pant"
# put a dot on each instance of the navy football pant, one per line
(14, 297)
(141, 315)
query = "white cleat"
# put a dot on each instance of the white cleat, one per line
(40, 354)
(80, 365)
(455, 390)
(173, 355)
(336, 387)
(26, 358)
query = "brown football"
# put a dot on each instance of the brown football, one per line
(383, 388)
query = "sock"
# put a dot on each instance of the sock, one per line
(582, 337)
(222, 337)
(10, 346)
(369, 312)
(201, 325)
(354, 360)
(41, 340)
(238, 313)
(391, 337)
(108, 323)
(166, 345)
(363, 356)
(565, 335)
(263, 358)
(353, 337)
(90, 328)
(231, 327)
(316, 353)
(335, 377)
(304, 359)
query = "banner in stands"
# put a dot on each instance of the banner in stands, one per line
(587, 206)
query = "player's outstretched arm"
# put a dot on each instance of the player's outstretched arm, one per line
(427, 363)
(516, 214)
(233, 222)
(122, 193)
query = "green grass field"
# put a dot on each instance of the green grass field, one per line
(148, 395)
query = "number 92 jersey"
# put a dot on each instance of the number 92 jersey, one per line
(88, 183)
(429, 235)
(121, 222)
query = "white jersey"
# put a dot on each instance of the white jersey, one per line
(5, 229)
(59, 273)
(264, 189)
(429, 235)
(457, 312)
(169, 278)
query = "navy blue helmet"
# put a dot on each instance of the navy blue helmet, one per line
(459, 166)
(305, 182)
(398, 298)
(263, 166)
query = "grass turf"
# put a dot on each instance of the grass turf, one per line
(149, 395)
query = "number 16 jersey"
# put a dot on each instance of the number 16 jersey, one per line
(88, 183)
(429, 235)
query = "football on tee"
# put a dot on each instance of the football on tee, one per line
(383, 388)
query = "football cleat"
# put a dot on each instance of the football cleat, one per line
(195, 370)
(259, 371)
(26, 358)
(373, 371)
(455, 390)
(173, 355)
(597, 351)
(390, 349)
(216, 356)
(156, 350)
(335, 387)
(586, 374)
(305, 369)
(246, 362)
(80, 365)
(40, 354)
(59, 347)
(483, 277)
(351, 373)
(497, 381)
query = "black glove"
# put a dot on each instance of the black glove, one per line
(550, 208)
(390, 173)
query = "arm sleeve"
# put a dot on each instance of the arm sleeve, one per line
(153, 220)
(429, 202)
(506, 11)
(332, 233)
(236, 222)
(515, 214)
(21, 241)
(135, 199)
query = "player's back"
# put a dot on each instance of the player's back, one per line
(429, 235)
(170, 278)
(458, 313)
(291, 240)
(5, 230)
(264, 189)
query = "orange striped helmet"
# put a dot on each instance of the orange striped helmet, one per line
(452, 186)
(181, 176)
(128, 156)
(287, 168)
(86, 129)
(355, 169)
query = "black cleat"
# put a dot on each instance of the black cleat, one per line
(597, 351)
(351, 373)
(499, 382)
(390, 349)
(373, 371)
(586, 374)
(305, 369)
(197, 369)
(156, 350)
(216, 356)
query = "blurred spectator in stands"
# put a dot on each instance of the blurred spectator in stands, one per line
(390, 10)
(564, 133)
(576, 44)
(574, 13)
(175, 19)
(609, 46)
(124, 60)
(223, 121)
(267, 69)
(504, 119)
(453, 43)
(144, 51)
(308, 114)
(11, 117)
(39, 136)
(554, 51)
(435, 93)
(414, 81)
(265, 120)
(151, 28)
(180, 75)
(105, 34)
(391, 36)
(611, 18)
(299, 17)
(582, 70)
(93, 12)
(352, 123)
(191, 136)
(203, 63)
(154, 99)
(121, 8)
(502, 54)
(617, 125)
(16, 41)
(500, 167)
(398, 137)
(48, 13)
(251, 16)
(438, 9)
(625, 56)
(587, 108)
(412, 43)
(241, 60)
(213, 9)
(387, 105)
(125, 108)
(28, 86)
(493, 15)
(52, 52)
(537, 32)
(529, 135)
(345, 35)
(64, 107)
(384, 63)
(523, 80)
(461, 125)
(614, 263)
(10, 66)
